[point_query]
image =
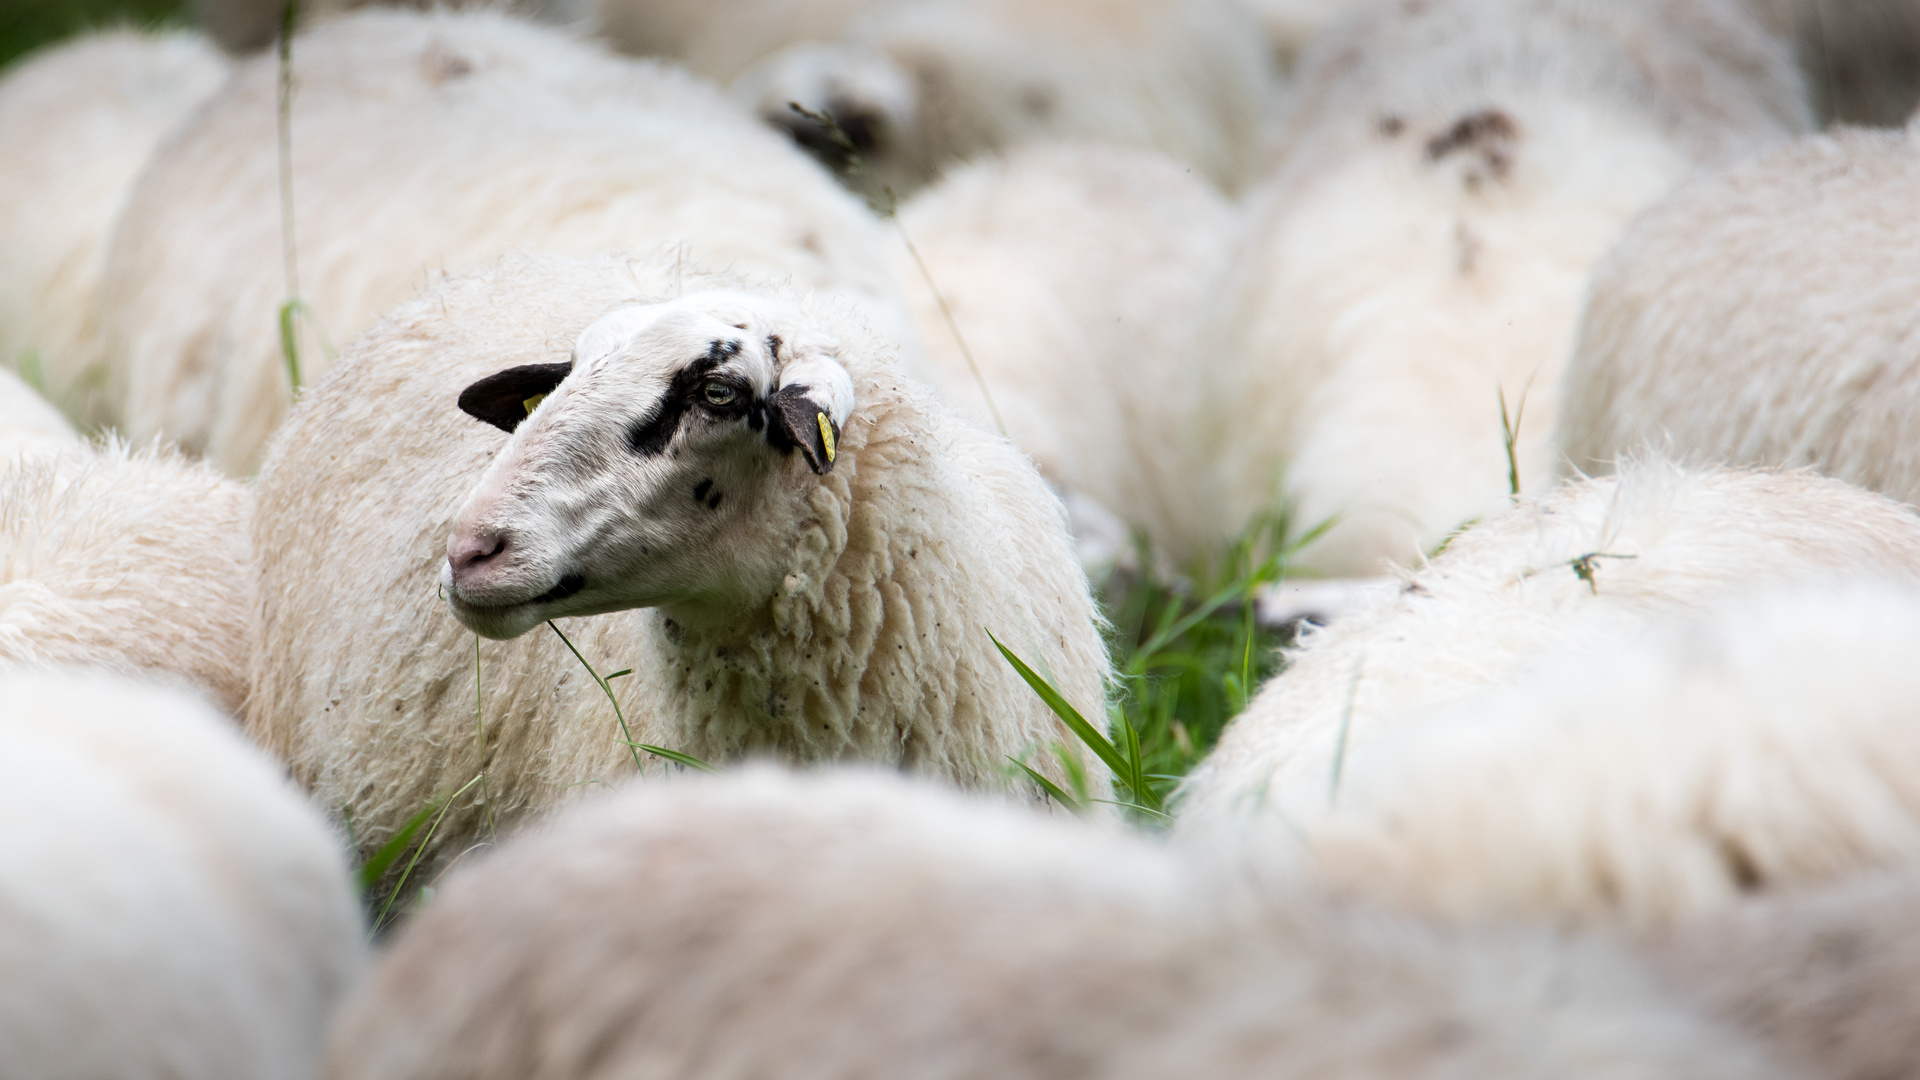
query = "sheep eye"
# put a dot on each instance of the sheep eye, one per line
(720, 394)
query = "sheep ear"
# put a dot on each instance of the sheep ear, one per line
(814, 400)
(505, 398)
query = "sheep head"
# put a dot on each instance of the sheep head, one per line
(656, 468)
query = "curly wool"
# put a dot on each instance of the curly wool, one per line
(132, 560)
(926, 535)
(1656, 538)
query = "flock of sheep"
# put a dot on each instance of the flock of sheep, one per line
(791, 370)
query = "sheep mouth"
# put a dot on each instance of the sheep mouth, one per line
(569, 585)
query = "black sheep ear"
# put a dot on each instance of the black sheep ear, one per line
(795, 419)
(505, 398)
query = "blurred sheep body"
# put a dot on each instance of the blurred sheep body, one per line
(173, 907)
(1764, 315)
(1077, 275)
(888, 573)
(77, 122)
(920, 85)
(132, 560)
(26, 416)
(422, 141)
(1825, 976)
(1592, 556)
(1650, 774)
(1449, 173)
(860, 926)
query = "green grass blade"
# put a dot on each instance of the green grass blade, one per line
(290, 344)
(626, 735)
(401, 885)
(376, 867)
(675, 756)
(1066, 712)
(1049, 787)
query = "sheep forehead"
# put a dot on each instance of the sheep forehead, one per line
(665, 337)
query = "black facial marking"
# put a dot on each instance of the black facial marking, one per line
(700, 490)
(714, 503)
(651, 435)
(569, 585)
(501, 398)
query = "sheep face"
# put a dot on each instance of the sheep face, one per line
(654, 469)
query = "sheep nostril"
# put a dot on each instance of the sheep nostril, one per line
(465, 553)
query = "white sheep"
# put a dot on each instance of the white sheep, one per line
(1648, 775)
(1859, 55)
(26, 416)
(1592, 556)
(809, 617)
(860, 926)
(421, 141)
(1077, 275)
(918, 85)
(173, 908)
(77, 122)
(1825, 976)
(1764, 315)
(1450, 171)
(136, 561)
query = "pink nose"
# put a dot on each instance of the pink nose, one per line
(470, 553)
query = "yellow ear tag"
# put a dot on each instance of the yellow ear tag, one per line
(826, 434)
(533, 403)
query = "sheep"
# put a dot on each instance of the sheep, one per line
(1595, 555)
(1764, 316)
(1825, 976)
(173, 908)
(1862, 57)
(1649, 775)
(920, 84)
(26, 416)
(77, 121)
(423, 140)
(132, 560)
(843, 616)
(1449, 172)
(1076, 275)
(859, 925)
